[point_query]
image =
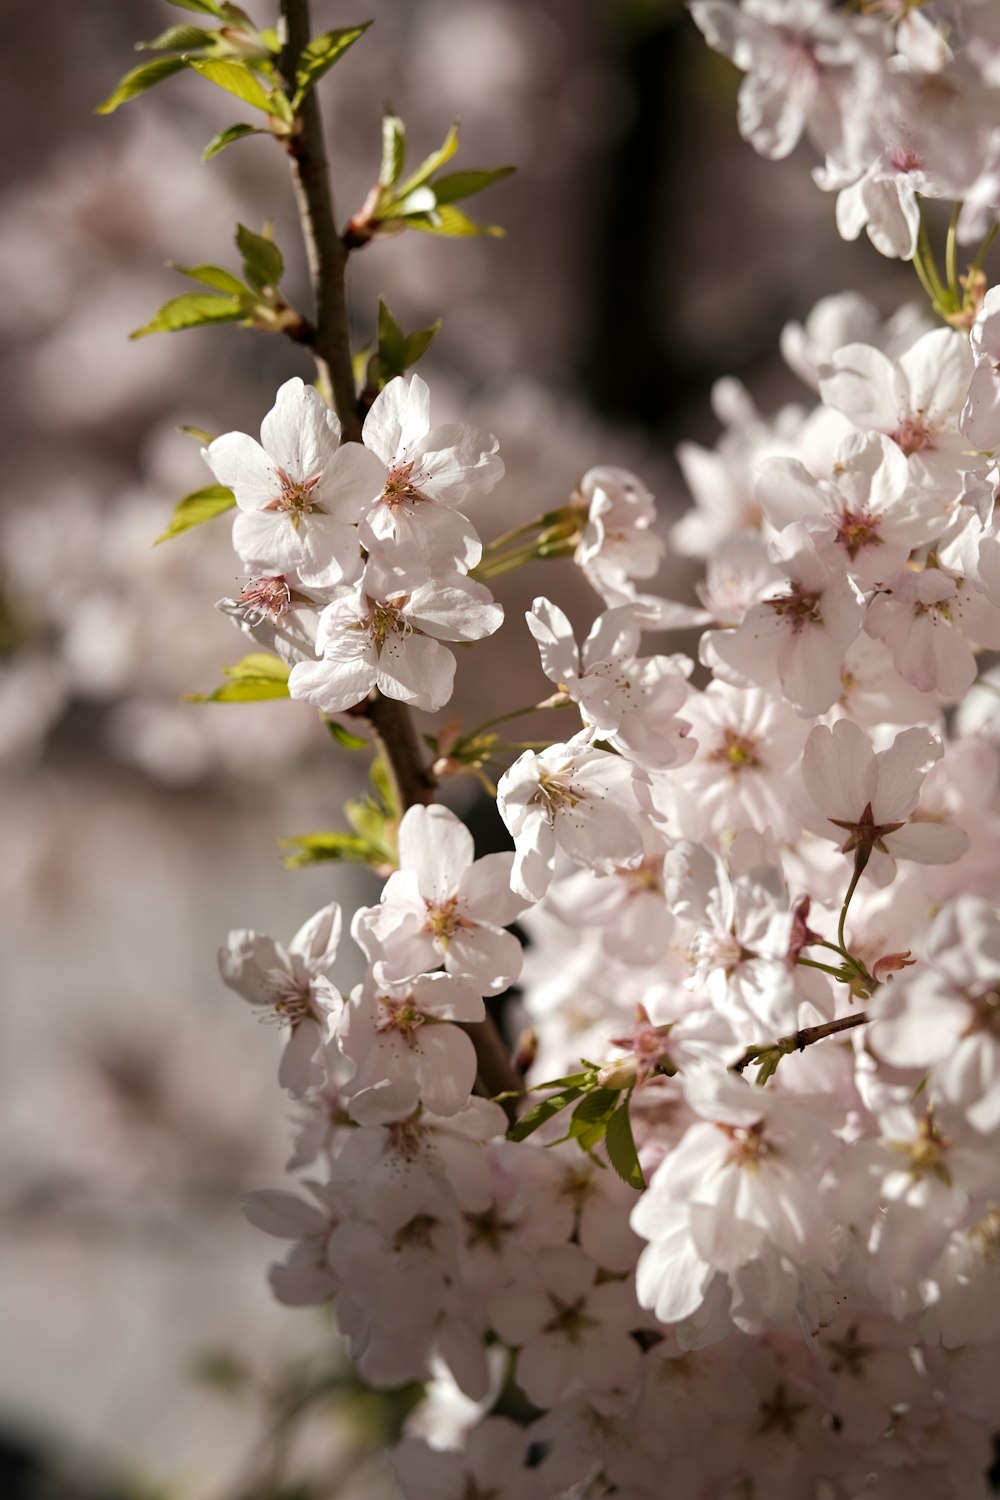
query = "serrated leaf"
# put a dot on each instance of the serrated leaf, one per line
(542, 1112)
(430, 164)
(227, 137)
(597, 1105)
(236, 78)
(317, 848)
(191, 311)
(196, 508)
(217, 277)
(263, 262)
(451, 222)
(256, 678)
(184, 38)
(144, 77)
(455, 185)
(619, 1143)
(320, 54)
(344, 738)
(393, 150)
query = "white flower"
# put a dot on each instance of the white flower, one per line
(291, 982)
(385, 632)
(870, 801)
(297, 490)
(618, 542)
(442, 906)
(799, 634)
(397, 1032)
(931, 619)
(575, 797)
(428, 472)
(981, 413)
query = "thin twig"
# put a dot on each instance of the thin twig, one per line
(326, 251)
(797, 1041)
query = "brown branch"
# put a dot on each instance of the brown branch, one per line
(329, 340)
(325, 250)
(797, 1041)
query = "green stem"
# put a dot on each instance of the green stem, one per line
(950, 256)
(504, 540)
(981, 253)
(930, 265)
(811, 963)
(859, 867)
(515, 713)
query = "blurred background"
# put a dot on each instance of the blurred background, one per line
(648, 253)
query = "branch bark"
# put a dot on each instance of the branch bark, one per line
(325, 249)
(391, 721)
(797, 1041)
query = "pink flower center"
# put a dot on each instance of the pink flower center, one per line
(402, 1016)
(913, 436)
(856, 530)
(737, 752)
(400, 488)
(296, 496)
(265, 599)
(798, 607)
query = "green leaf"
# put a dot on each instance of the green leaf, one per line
(397, 350)
(227, 137)
(543, 1111)
(591, 1116)
(196, 508)
(318, 848)
(619, 1143)
(393, 150)
(263, 262)
(457, 185)
(190, 311)
(451, 222)
(320, 54)
(205, 7)
(430, 164)
(386, 790)
(197, 433)
(215, 276)
(344, 738)
(139, 80)
(183, 38)
(236, 78)
(255, 678)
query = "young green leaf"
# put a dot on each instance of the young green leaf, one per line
(318, 848)
(320, 54)
(344, 738)
(257, 677)
(236, 78)
(184, 38)
(196, 508)
(544, 1110)
(397, 350)
(205, 7)
(263, 262)
(139, 80)
(227, 137)
(619, 1143)
(455, 185)
(215, 276)
(191, 311)
(451, 222)
(590, 1117)
(430, 164)
(393, 150)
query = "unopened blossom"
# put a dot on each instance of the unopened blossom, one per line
(443, 907)
(427, 473)
(630, 701)
(299, 491)
(916, 401)
(869, 802)
(386, 632)
(291, 984)
(799, 633)
(944, 1013)
(574, 797)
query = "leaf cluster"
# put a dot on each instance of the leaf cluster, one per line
(253, 301)
(373, 819)
(598, 1114)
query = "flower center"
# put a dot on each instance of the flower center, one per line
(857, 530)
(403, 1016)
(798, 607)
(293, 1003)
(748, 1146)
(265, 599)
(444, 919)
(296, 496)
(386, 619)
(399, 487)
(913, 436)
(555, 791)
(737, 752)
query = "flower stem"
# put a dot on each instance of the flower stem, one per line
(950, 256)
(859, 866)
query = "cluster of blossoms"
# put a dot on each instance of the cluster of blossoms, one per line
(748, 1241)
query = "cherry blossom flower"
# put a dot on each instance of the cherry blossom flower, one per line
(427, 473)
(931, 619)
(398, 1031)
(386, 632)
(980, 421)
(573, 797)
(299, 492)
(618, 541)
(292, 984)
(870, 801)
(443, 907)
